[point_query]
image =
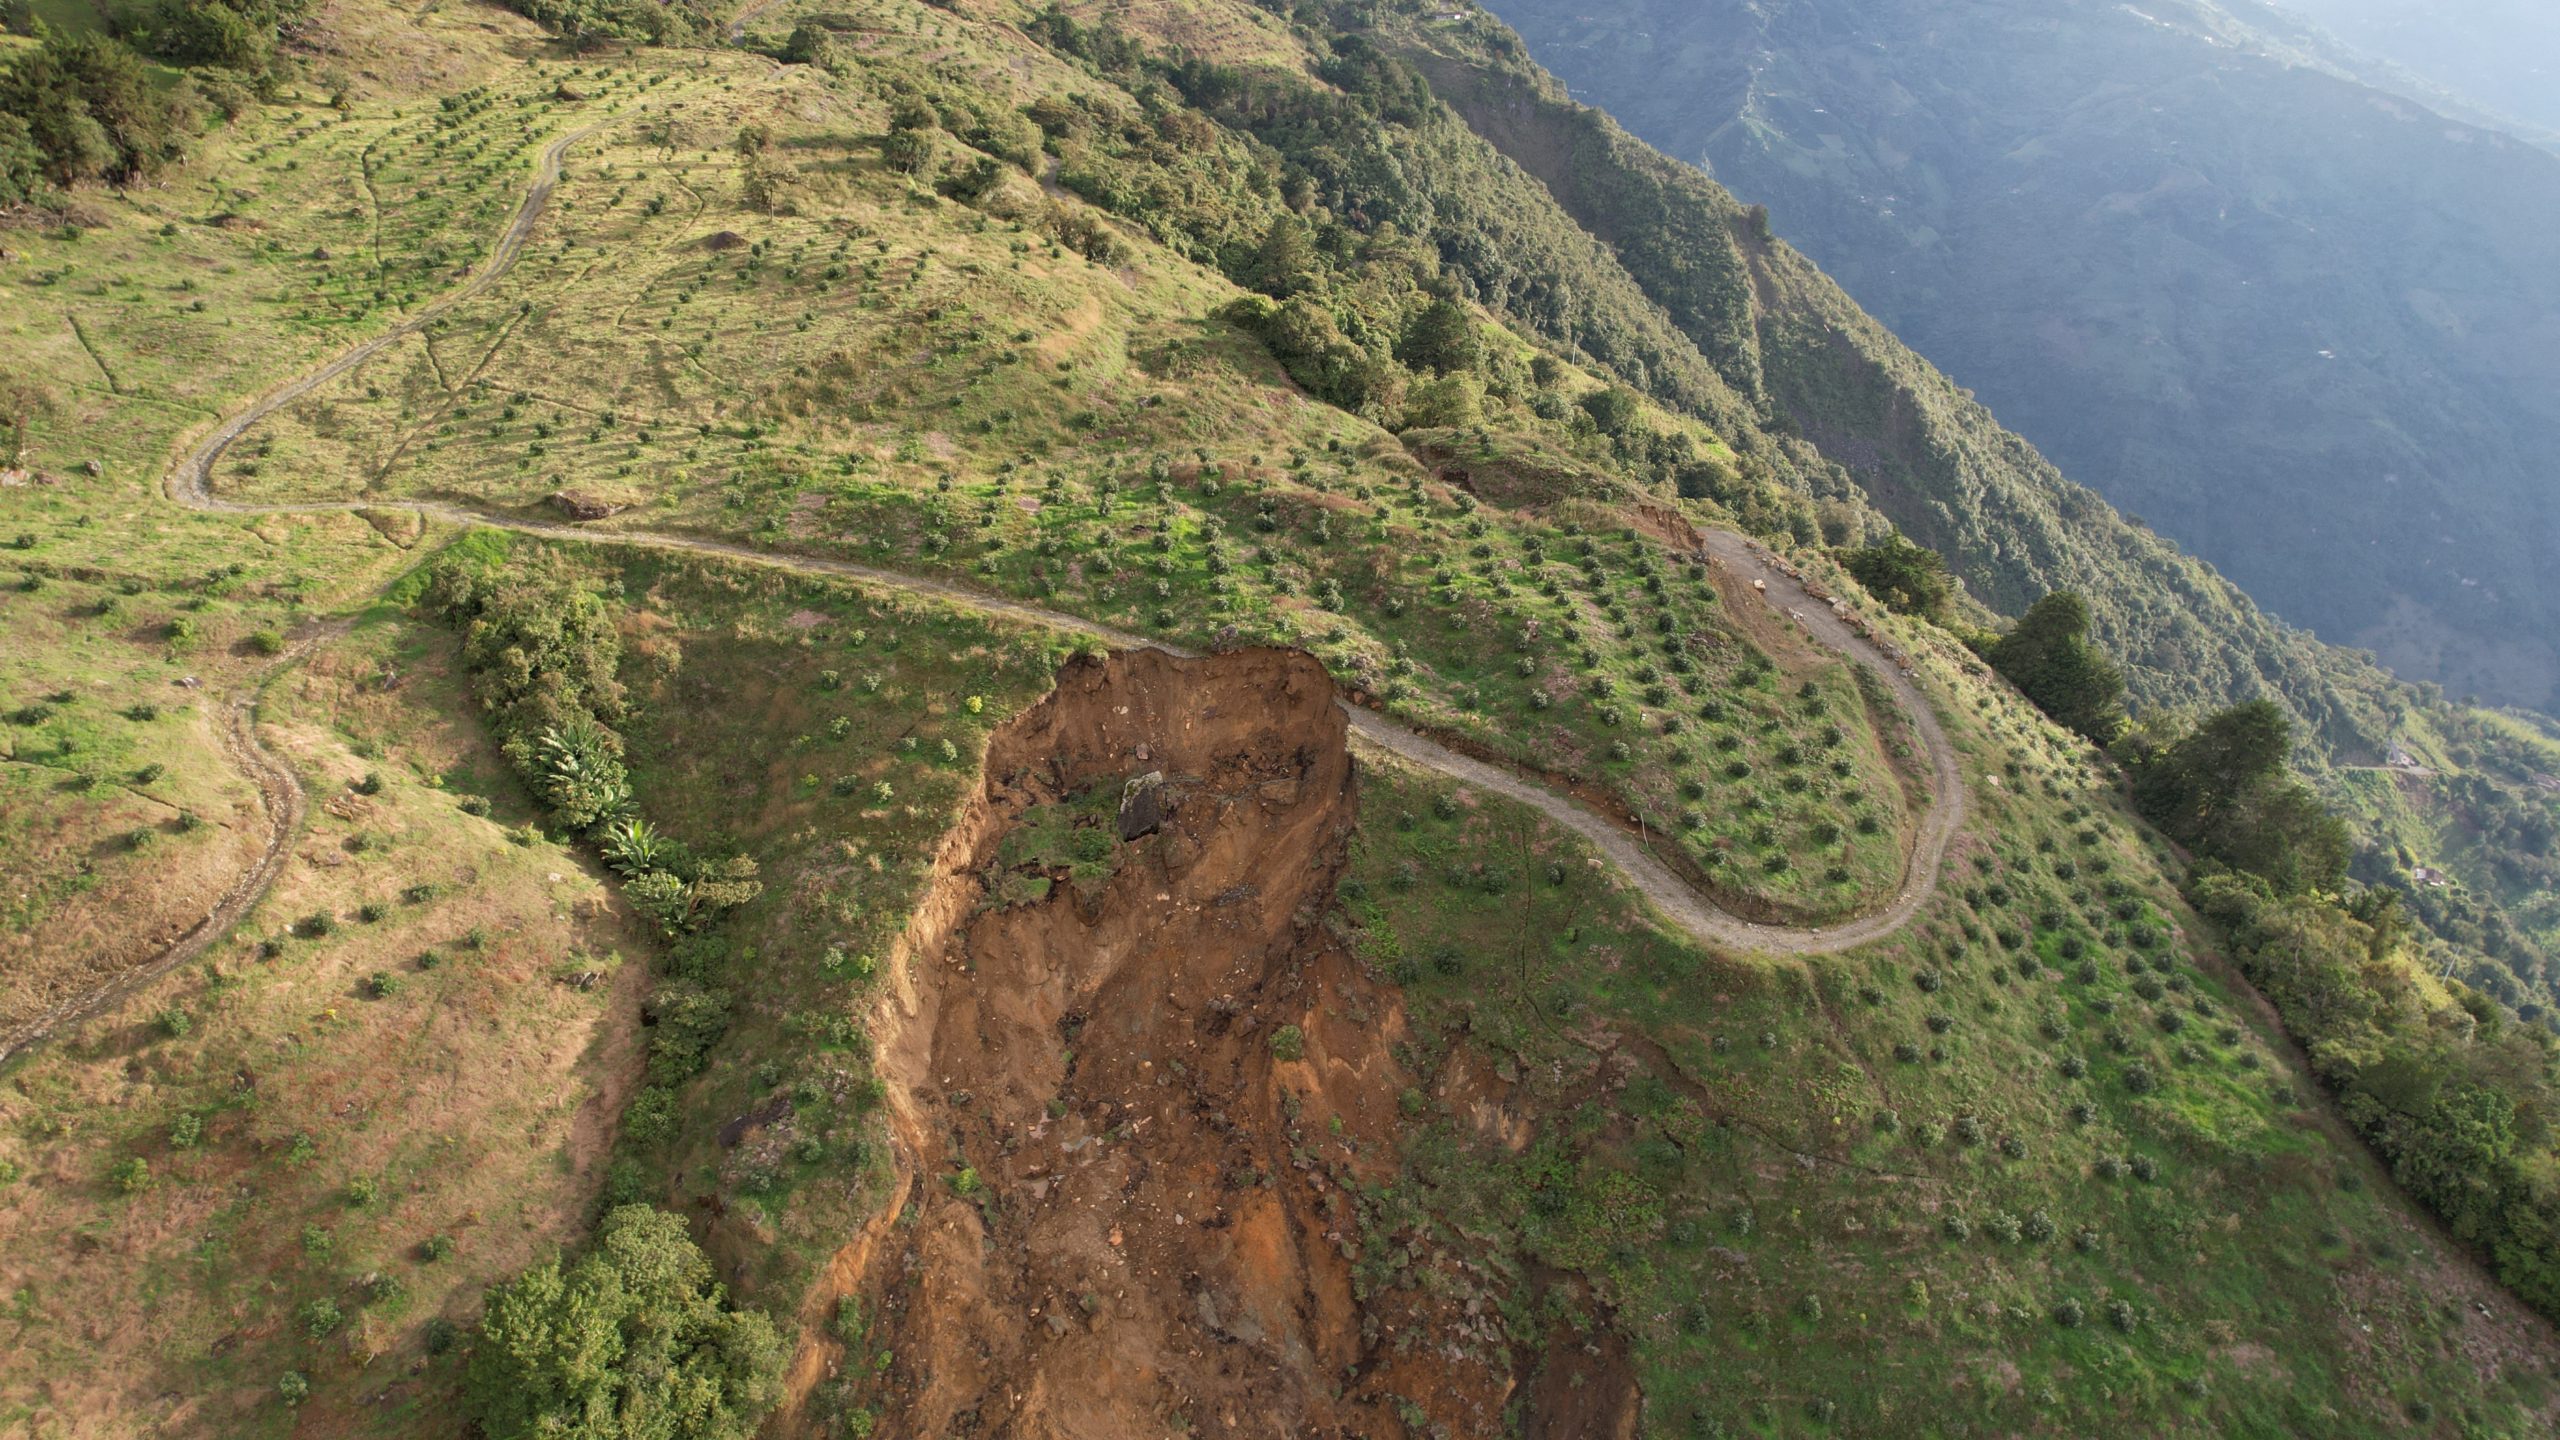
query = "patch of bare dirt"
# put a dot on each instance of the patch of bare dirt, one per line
(1126, 1208)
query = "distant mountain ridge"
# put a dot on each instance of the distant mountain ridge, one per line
(2306, 326)
(2501, 57)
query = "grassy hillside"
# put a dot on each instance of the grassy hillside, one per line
(789, 884)
(1925, 453)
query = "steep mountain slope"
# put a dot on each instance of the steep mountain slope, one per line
(762, 821)
(1918, 449)
(2306, 327)
(1857, 410)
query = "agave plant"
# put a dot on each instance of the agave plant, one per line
(632, 846)
(578, 773)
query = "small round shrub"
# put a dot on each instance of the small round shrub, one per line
(321, 1318)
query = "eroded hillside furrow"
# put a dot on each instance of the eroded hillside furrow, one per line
(1133, 1108)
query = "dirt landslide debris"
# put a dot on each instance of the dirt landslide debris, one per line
(1131, 1112)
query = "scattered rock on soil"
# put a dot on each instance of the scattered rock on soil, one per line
(1142, 805)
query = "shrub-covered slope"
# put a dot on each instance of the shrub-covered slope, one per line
(1923, 452)
(702, 885)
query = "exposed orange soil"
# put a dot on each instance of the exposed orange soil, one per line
(1159, 1229)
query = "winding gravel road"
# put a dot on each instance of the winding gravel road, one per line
(188, 483)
